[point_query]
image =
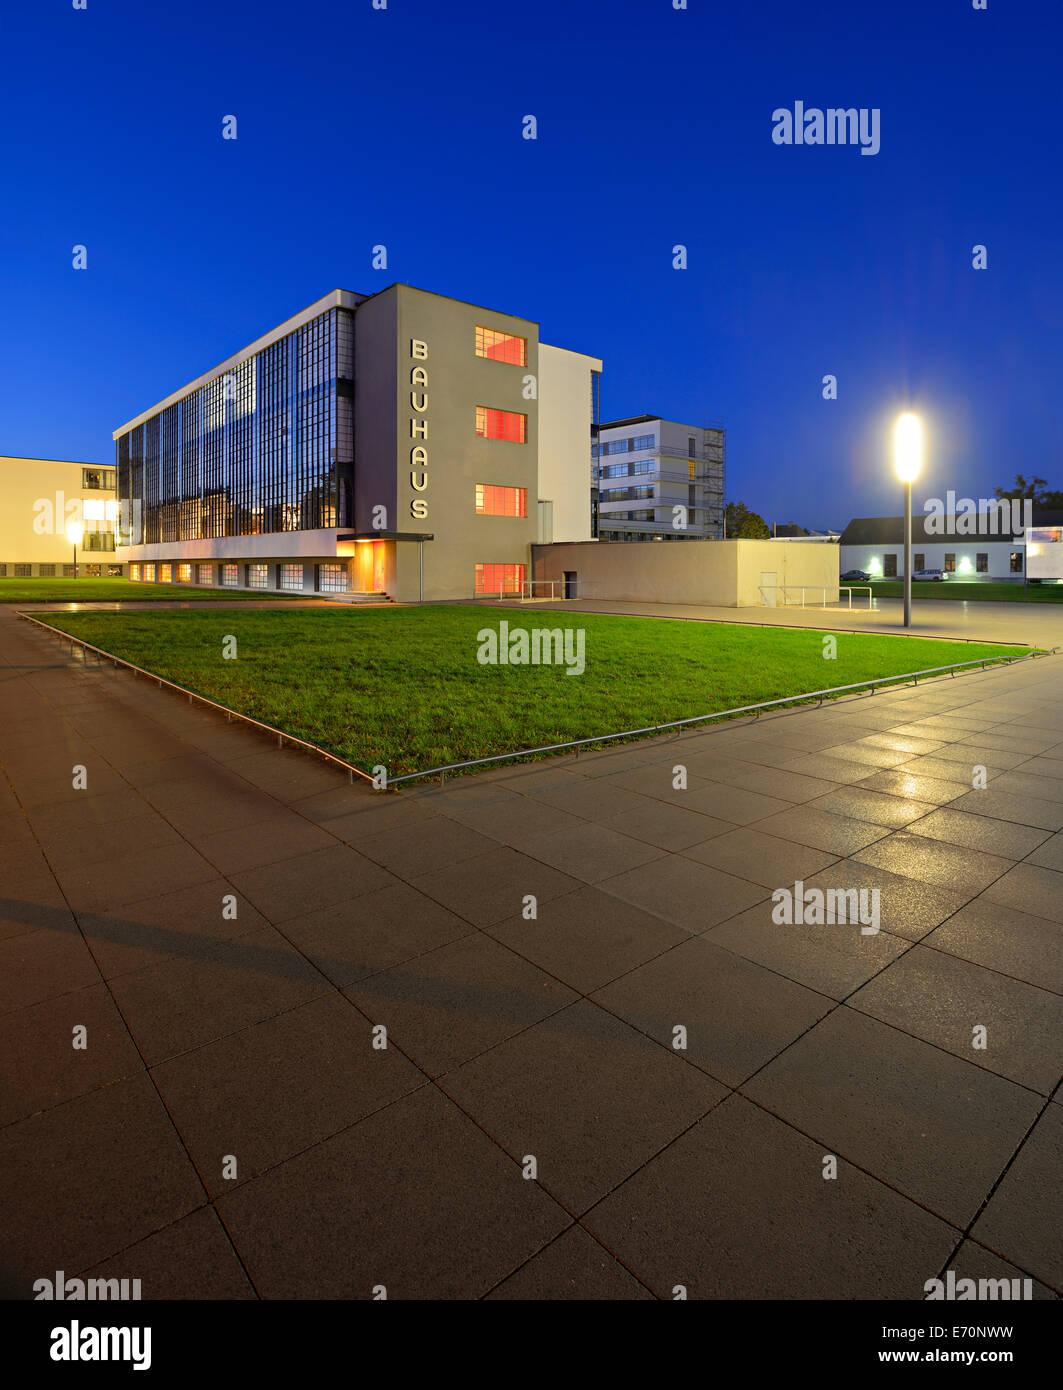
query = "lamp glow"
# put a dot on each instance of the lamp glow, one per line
(74, 532)
(908, 447)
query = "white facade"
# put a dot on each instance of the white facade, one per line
(959, 557)
(565, 442)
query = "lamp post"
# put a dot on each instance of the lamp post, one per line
(74, 533)
(907, 463)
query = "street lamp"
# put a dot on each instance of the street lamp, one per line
(74, 533)
(907, 463)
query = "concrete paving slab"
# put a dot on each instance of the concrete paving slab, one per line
(980, 833)
(833, 959)
(591, 852)
(949, 1002)
(171, 925)
(457, 1001)
(573, 1267)
(349, 941)
(937, 1129)
(1010, 806)
(402, 853)
(44, 964)
(836, 833)
(738, 1207)
(750, 854)
(735, 804)
(1030, 888)
(909, 787)
(588, 938)
(1006, 940)
(1049, 854)
(269, 1091)
(689, 894)
(880, 808)
(737, 1015)
(936, 861)
(667, 824)
(192, 1259)
(115, 1173)
(45, 1058)
(390, 1201)
(493, 886)
(1023, 1218)
(184, 1003)
(513, 822)
(975, 1261)
(591, 1098)
(290, 887)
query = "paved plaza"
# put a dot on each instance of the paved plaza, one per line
(534, 1034)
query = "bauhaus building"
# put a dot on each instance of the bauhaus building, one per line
(400, 443)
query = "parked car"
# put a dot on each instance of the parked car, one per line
(862, 575)
(928, 574)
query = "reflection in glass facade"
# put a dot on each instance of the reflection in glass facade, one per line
(266, 446)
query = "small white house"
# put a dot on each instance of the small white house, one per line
(875, 544)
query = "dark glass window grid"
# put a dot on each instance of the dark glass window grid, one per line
(255, 450)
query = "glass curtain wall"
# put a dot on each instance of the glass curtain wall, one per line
(266, 446)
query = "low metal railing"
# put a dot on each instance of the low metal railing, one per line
(821, 588)
(577, 743)
(230, 714)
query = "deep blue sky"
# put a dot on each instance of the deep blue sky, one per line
(404, 127)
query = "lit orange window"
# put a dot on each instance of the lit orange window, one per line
(501, 424)
(499, 579)
(501, 347)
(501, 501)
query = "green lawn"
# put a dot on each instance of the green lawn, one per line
(990, 592)
(403, 687)
(84, 590)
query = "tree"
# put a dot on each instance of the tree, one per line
(1034, 488)
(740, 524)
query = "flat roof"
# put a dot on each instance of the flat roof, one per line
(342, 299)
(662, 419)
(77, 463)
(634, 420)
(889, 530)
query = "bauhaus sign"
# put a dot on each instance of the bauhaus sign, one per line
(419, 428)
